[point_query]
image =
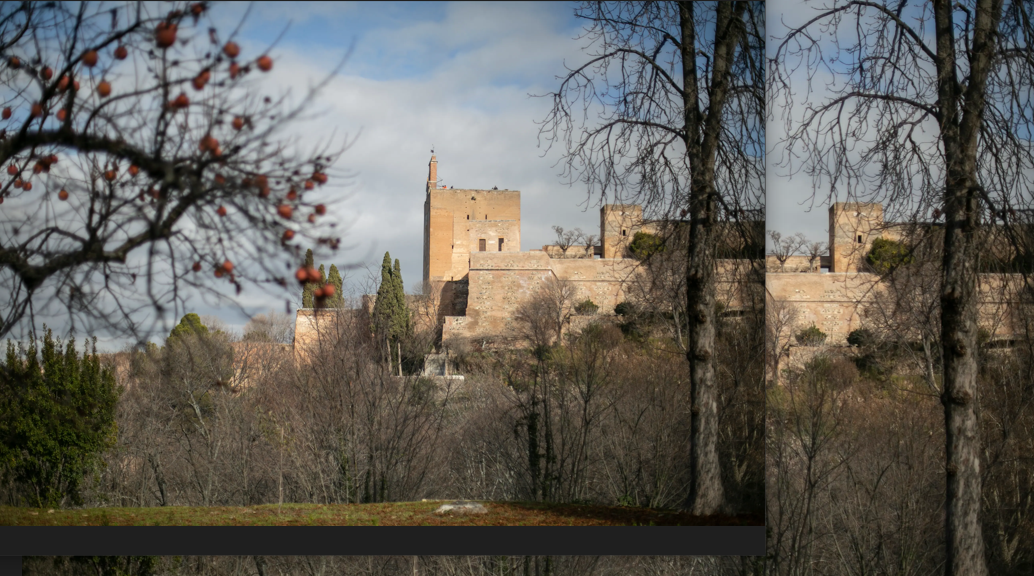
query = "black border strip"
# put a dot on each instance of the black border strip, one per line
(383, 540)
(10, 566)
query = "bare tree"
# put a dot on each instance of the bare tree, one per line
(784, 248)
(815, 252)
(676, 91)
(590, 241)
(567, 238)
(270, 327)
(544, 316)
(928, 110)
(141, 158)
(781, 319)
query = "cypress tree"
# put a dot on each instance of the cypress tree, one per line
(383, 308)
(390, 313)
(402, 317)
(334, 279)
(308, 288)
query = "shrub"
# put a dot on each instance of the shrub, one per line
(624, 309)
(811, 336)
(886, 255)
(861, 338)
(644, 245)
(586, 308)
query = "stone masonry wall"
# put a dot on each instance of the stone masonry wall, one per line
(451, 218)
(835, 303)
(500, 282)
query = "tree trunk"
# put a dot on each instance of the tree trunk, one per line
(533, 448)
(701, 136)
(960, 110)
(964, 542)
(159, 478)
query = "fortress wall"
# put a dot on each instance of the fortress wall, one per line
(612, 270)
(829, 301)
(438, 243)
(836, 303)
(1000, 305)
(500, 282)
(732, 281)
(509, 260)
(798, 264)
(574, 251)
(491, 231)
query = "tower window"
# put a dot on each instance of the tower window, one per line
(481, 245)
(500, 244)
(624, 232)
(468, 216)
(859, 238)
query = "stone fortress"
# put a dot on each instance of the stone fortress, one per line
(473, 262)
(833, 293)
(476, 277)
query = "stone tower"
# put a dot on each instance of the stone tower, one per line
(852, 228)
(618, 224)
(458, 221)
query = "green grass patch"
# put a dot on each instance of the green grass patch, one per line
(383, 514)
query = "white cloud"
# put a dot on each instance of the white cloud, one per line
(460, 84)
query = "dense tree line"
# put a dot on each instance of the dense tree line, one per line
(596, 418)
(596, 415)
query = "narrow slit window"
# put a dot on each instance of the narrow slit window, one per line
(500, 244)
(859, 238)
(481, 245)
(624, 232)
(468, 216)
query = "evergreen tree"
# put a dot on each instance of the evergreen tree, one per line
(383, 308)
(308, 300)
(190, 324)
(402, 326)
(335, 280)
(57, 415)
(390, 313)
